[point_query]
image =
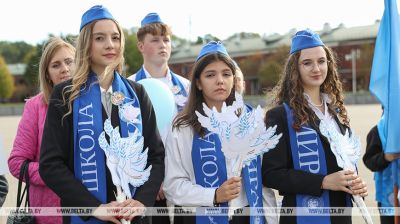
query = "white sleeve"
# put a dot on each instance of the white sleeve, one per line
(269, 201)
(178, 186)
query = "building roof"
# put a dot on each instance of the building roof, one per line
(238, 47)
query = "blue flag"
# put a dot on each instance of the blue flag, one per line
(385, 75)
(385, 85)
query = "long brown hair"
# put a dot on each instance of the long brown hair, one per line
(290, 90)
(188, 117)
(82, 63)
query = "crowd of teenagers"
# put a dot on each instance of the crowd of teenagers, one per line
(87, 108)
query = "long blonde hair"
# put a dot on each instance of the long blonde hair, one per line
(82, 63)
(49, 50)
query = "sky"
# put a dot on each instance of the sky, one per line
(33, 20)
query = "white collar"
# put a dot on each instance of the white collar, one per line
(167, 76)
(110, 90)
(325, 100)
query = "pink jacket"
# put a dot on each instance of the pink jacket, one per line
(27, 146)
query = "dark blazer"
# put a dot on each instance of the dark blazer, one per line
(278, 171)
(374, 158)
(56, 164)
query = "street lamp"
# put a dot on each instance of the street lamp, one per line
(353, 56)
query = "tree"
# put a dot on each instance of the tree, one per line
(14, 52)
(32, 69)
(133, 57)
(364, 65)
(207, 38)
(269, 73)
(6, 81)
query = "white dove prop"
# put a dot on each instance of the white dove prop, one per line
(126, 159)
(346, 149)
(242, 133)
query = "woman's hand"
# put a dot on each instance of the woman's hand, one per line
(391, 156)
(359, 187)
(160, 195)
(339, 181)
(101, 212)
(229, 190)
(131, 208)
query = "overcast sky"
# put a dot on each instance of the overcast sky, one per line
(33, 20)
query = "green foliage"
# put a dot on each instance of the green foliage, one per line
(207, 38)
(6, 81)
(133, 57)
(269, 73)
(243, 35)
(32, 69)
(364, 65)
(250, 65)
(14, 52)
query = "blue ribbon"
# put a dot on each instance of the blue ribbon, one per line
(209, 169)
(309, 156)
(89, 164)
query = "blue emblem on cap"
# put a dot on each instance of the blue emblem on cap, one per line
(151, 18)
(305, 39)
(212, 47)
(95, 13)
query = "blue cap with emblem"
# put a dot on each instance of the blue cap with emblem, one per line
(305, 39)
(97, 12)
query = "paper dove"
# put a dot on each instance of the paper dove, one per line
(243, 136)
(125, 158)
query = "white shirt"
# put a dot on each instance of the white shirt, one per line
(167, 80)
(110, 90)
(180, 183)
(326, 115)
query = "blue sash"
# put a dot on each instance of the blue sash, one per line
(384, 179)
(210, 171)
(89, 158)
(254, 186)
(309, 156)
(175, 81)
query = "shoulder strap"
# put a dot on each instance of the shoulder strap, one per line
(21, 193)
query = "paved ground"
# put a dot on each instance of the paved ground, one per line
(363, 118)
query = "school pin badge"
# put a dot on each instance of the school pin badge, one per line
(117, 98)
(175, 90)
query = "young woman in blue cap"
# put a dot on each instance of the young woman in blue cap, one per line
(73, 158)
(186, 183)
(303, 167)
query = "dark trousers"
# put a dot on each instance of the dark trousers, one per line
(160, 219)
(385, 219)
(192, 219)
